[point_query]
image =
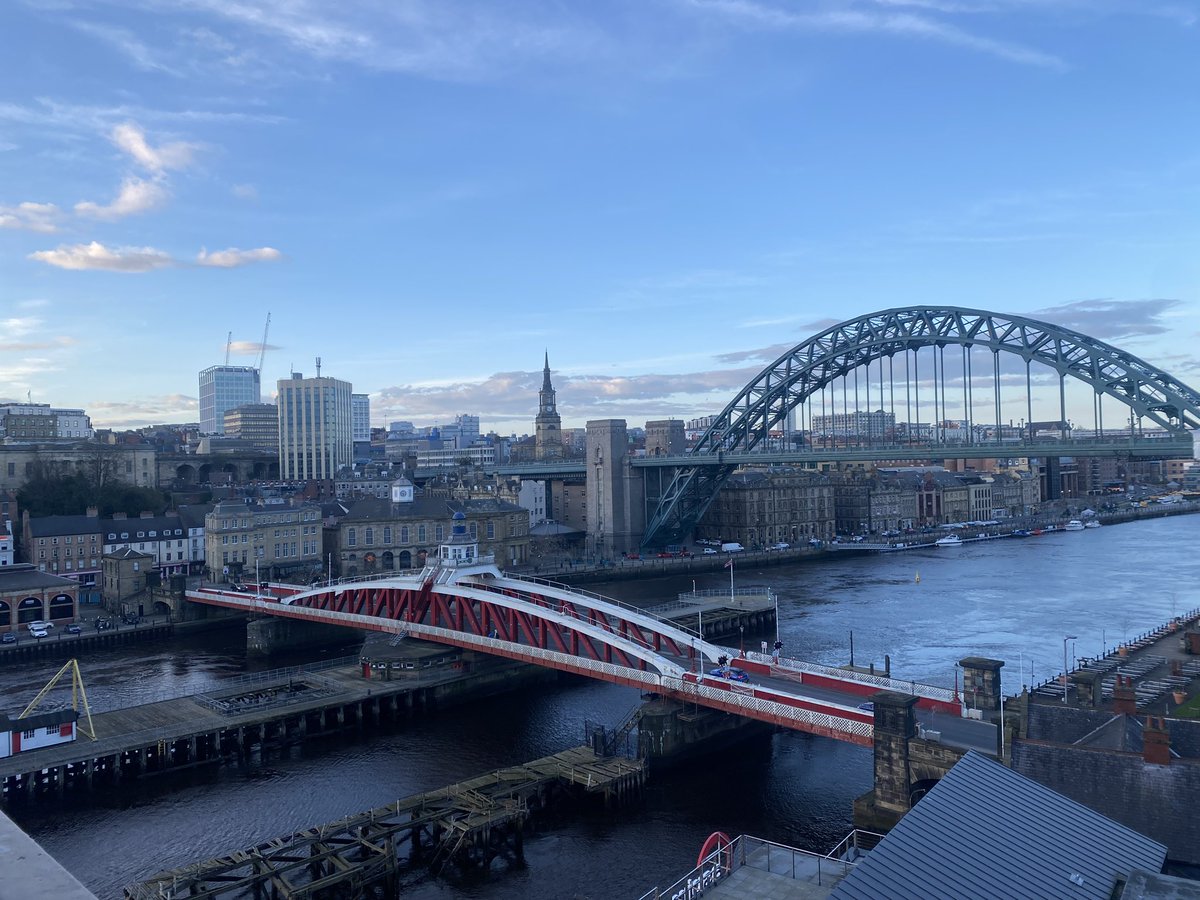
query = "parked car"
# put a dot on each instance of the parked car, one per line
(39, 632)
(9, 637)
(730, 672)
(782, 545)
(40, 625)
(74, 628)
(710, 551)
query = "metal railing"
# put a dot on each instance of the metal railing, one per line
(747, 851)
(884, 683)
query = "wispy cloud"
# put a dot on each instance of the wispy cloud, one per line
(130, 137)
(245, 191)
(233, 257)
(1108, 319)
(41, 217)
(136, 196)
(127, 43)
(849, 20)
(95, 256)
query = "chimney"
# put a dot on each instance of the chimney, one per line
(1124, 700)
(93, 512)
(145, 514)
(1156, 742)
(120, 515)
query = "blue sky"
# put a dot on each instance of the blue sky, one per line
(665, 194)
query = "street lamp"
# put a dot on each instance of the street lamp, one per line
(1069, 637)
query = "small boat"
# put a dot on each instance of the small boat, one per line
(1092, 523)
(950, 540)
(1074, 525)
(1021, 532)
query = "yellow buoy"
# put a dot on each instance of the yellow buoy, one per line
(918, 578)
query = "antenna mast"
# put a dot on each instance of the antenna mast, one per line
(262, 350)
(318, 367)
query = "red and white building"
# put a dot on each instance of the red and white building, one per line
(46, 729)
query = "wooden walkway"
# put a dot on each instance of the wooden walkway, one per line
(464, 825)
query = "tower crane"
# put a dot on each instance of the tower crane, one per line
(228, 346)
(262, 350)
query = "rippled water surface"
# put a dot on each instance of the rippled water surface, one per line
(1012, 599)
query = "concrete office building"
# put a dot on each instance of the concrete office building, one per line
(360, 418)
(255, 423)
(315, 427)
(222, 388)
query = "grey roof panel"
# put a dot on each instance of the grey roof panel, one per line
(986, 831)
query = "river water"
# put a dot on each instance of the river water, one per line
(1012, 599)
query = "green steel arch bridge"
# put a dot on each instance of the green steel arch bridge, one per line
(876, 361)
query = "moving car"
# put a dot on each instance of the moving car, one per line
(867, 707)
(8, 637)
(74, 628)
(710, 550)
(38, 632)
(730, 672)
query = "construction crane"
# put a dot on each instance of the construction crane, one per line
(262, 350)
(77, 694)
(228, 347)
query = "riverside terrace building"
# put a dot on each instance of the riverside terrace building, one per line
(27, 595)
(67, 546)
(401, 533)
(760, 509)
(163, 538)
(277, 539)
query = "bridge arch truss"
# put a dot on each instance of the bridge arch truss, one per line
(747, 421)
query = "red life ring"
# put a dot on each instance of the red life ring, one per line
(717, 841)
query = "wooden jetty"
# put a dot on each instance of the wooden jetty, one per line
(458, 829)
(253, 715)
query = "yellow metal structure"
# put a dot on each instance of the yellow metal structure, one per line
(78, 693)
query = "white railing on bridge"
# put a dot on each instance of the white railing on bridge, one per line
(749, 698)
(883, 682)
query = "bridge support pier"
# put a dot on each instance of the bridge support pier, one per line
(981, 682)
(670, 731)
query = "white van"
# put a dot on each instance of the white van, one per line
(732, 547)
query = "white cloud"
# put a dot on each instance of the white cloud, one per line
(130, 138)
(228, 259)
(245, 191)
(30, 217)
(96, 256)
(136, 196)
(18, 326)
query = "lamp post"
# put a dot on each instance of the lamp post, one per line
(1069, 637)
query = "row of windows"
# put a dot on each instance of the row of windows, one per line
(66, 540)
(142, 534)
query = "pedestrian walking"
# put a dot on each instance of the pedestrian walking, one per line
(775, 652)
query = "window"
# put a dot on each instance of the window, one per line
(137, 566)
(387, 534)
(491, 530)
(152, 534)
(352, 537)
(370, 536)
(441, 534)
(404, 534)
(28, 735)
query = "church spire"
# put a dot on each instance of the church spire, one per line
(548, 424)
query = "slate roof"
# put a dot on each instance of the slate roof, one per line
(192, 514)
(38, 720)
(986, 831)
(26, 577)
(51, 526)
(163, 527)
